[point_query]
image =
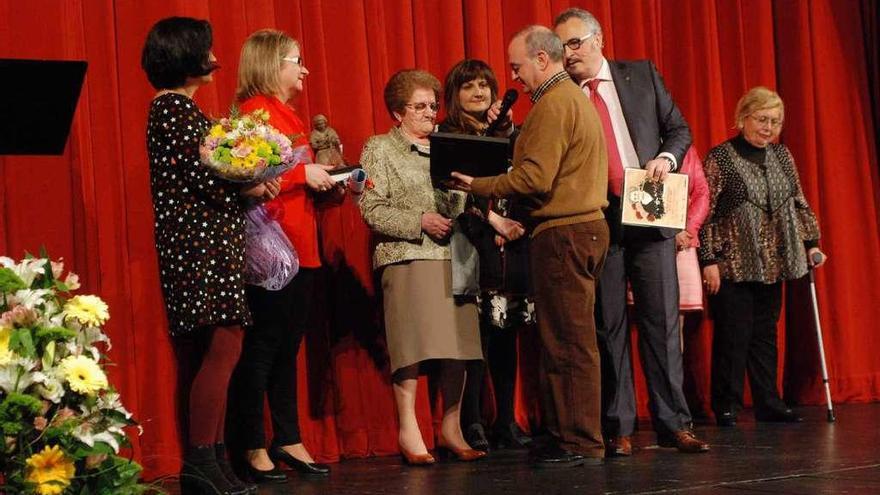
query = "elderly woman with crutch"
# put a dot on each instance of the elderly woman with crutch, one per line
(760, 232)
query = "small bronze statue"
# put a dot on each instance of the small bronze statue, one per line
(325, 142)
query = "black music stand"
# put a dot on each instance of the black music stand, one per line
(37, 102)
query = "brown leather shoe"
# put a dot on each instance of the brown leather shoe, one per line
(619, 447)
(685, 441)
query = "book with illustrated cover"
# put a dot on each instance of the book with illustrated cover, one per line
(649, 203)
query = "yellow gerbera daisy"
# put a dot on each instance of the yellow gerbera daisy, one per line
(83, 374)
(89, 310)
(50, 470)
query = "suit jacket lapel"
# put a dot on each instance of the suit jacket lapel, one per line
(622, 77)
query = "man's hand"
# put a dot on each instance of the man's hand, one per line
(683, 240)
(461, 182)
(436, 225)
(657, 169)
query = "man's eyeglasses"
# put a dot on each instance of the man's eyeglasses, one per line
(765, 120)
(294, 60)
(575, 43)
(422, 106)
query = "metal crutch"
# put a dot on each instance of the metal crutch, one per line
(816, 258)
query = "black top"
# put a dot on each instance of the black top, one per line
(199, 223)
(748, 151)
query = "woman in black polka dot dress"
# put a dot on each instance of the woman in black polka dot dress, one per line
(200, 242)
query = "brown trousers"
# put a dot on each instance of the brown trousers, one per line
(565, 263)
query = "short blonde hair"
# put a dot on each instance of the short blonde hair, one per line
(260, 63)
(757, 98)
(403, 84)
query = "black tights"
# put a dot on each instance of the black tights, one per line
(499, 347)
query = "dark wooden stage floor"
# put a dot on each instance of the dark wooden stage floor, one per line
(807, 458)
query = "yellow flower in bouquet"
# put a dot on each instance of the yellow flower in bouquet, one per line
(5, 353)
(84, 375)
(50, 470)
(89, 310)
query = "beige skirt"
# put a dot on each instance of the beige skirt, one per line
(422, 320)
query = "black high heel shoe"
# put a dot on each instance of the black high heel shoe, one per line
(260, 477)
(278, 454)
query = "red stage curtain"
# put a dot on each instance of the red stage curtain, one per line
(92, 205)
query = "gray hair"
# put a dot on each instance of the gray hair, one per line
(542, 39)
(576, 13)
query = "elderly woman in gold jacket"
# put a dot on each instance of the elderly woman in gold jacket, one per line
(412, 223)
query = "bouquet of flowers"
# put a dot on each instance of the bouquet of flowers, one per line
(61, 422)
(248, 149)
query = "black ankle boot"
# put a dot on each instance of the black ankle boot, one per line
(229, 473)
(201, 475)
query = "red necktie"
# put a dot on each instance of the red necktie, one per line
(615, 165)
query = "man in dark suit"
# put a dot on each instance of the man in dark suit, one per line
(643, 129)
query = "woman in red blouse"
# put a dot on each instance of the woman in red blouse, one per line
(270, 73)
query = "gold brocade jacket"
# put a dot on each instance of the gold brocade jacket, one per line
(401, 192)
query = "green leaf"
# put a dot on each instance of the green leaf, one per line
(10, 282)
(22, 343)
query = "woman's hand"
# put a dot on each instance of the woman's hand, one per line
(273, 187)
(317, 177)
(254, 191)
(493, 113)
(712, 279)
(436, 225)
(509, 229)
(822, 260)
(683, 240)
(264, 191)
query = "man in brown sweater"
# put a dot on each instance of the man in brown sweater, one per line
(560, 168)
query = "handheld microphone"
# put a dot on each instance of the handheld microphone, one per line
(816, 257)
(509, 99)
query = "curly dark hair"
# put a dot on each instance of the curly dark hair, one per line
(177, 48)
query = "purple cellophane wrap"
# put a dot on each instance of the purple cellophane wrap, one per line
(270, 259)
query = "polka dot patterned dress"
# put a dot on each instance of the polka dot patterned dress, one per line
(199, 227)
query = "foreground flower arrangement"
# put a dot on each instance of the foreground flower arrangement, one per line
(61, 422)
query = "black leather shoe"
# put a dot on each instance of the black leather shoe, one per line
(726, 419)
(278, 454)
(778, 416)
(475, 436)
(260, 477)
(510, 436)
(557, 457)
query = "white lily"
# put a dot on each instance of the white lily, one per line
(16, 376)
